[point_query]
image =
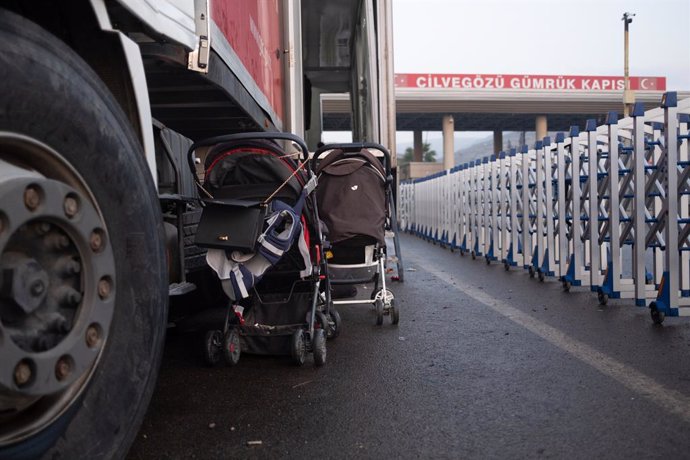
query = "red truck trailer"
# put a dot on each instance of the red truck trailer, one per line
(100, 100)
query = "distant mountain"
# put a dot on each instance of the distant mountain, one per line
(473, 149)
(485, 147)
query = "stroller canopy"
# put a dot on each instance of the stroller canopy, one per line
(351, 195)
(252, 170)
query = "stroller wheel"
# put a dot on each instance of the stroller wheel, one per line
(319, 346)
(321, 322)
(334, 324)
(378, 295)
(395, 315)
(213, 342)
(298, 347)
(378, 305)
(231, 347)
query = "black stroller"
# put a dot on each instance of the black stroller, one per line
(261, 226)
(355, 200)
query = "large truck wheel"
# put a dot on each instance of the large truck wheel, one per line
(83, 284)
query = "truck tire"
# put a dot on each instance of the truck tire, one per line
(81, 341)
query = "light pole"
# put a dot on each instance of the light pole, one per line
(628, 95)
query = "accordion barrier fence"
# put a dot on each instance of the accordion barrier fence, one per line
(606, 207)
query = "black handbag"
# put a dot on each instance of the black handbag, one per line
(231, 224)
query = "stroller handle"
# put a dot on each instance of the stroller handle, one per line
(245, 137)
(355, 147)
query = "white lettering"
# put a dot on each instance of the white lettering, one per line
(467, 82)
(585, 84)
(515, 83)
(570, 83)
(421, 82)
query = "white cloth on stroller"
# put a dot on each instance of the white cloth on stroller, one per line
(239, 271)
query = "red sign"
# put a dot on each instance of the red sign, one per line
(538, 82)
(253, 29)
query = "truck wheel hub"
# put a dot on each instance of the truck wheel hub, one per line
(57, 286)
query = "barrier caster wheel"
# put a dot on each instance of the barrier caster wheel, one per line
(603, 298)
(657, 315)
(298, 347)
(334, 324)
(462, 252)
(213, 347)
(378, 305)
(231, 347)
(506, 266)
(540, 275)
(531, 272)
(488, 261)
(318, 344)
(474, 256)
(566, 286)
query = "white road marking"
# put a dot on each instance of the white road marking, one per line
(670, 400)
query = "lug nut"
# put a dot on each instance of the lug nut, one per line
(37, 288)
(22, 373)
(63, 368)
(68, 296)
(104, 288)
(71, 206)
(56, 241)
(67, 266)
(42, 228)
(93, 336)
(32, 197)
(96, 240)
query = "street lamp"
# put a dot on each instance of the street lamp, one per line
(628, 95)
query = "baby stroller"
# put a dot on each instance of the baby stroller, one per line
(355, 201)
(261, 227)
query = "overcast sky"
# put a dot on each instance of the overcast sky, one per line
(551, 37)
(547, 37)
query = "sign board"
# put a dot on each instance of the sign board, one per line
(527, 82)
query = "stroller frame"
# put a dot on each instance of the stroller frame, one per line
(382, 298)
(305, 337)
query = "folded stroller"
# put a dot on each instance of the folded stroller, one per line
(261, 226)
(355, 201)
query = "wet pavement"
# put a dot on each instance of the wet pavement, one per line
(484, 364)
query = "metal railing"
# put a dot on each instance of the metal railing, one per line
(606, 208)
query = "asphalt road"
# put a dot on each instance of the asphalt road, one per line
(484, 364)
